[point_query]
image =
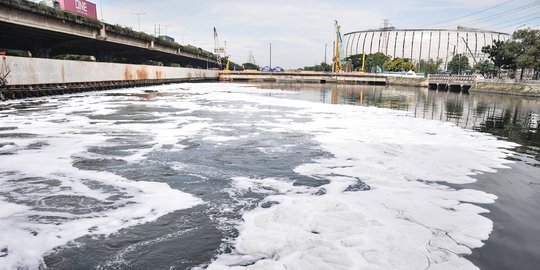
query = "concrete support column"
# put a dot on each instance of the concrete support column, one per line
(364, 44)
(104, 56)
(371, 42)
(395, 45)
(429, 48)
(380, 37)
(439, 46)
(403, 50)
(447, 51)
(412, 46)
(41, 52)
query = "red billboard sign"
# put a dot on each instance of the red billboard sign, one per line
(81, 7)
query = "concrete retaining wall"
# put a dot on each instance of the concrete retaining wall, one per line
(500, 88)
(37, 71)
(407, 81)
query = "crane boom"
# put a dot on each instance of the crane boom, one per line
(338, 50)
(219, 50)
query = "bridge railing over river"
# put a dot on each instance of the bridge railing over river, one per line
(459, 83)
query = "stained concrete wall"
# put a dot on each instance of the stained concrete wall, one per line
(407, 81)
(531, 89)
(35, 71)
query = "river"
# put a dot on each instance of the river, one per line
(270, 176)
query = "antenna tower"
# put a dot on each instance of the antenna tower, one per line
(385, 28)
(251, 58)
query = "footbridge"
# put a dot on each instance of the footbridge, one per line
(48, 32)
(455, 83)
(304, 77)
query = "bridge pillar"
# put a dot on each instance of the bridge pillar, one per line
(104, 56)
(41, 52)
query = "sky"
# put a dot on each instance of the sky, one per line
(299, 29)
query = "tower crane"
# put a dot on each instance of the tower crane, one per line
(338, 50)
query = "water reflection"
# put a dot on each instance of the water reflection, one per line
(513, 118)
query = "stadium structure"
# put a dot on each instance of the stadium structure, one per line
(417, 44)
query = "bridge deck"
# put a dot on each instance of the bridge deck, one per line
(47, 35)
(316, 77)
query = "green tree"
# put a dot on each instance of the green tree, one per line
(373, 60)
(430, 66)
(458, 64)
(250, 66)
(356, 61)
(399, 64)
(526, 47)
(321, 67)
(484, 67)
(501, 55)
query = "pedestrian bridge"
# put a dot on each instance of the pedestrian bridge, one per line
(455, 83)
(304, 77)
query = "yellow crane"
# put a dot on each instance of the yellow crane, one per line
(338, 50)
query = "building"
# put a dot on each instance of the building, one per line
(417, 44)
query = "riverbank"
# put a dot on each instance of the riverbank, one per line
(528, 89)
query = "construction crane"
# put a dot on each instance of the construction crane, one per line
(338, 50)
(220, 50)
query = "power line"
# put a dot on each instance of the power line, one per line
(513, 20)
(521, 22)
(498, 15)
(471, 14)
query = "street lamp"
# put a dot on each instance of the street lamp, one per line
(139, 18)
(101, 8)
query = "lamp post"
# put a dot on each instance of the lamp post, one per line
(325, 46)
(270, 55)
(139, 18)
(101, 9)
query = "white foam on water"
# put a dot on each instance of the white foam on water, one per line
(46, 202)
(408, 219)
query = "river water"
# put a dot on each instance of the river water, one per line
(270, 176)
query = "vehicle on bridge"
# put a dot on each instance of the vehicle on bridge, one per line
(79, 7)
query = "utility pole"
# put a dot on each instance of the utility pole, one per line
(101, 8)
(270, 55)
(139, 18)
(325, 46)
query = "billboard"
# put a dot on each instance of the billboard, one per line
(80, 7)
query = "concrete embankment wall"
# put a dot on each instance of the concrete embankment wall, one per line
(31, 77)
(407, 81)
(507, 88)
(35, 71)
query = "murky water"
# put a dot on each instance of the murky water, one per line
(268, 176)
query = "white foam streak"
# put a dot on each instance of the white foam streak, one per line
(24, 236)
(406, 220)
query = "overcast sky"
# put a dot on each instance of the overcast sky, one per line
(299, 29)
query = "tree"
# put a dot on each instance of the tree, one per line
(322, 67)
(458, 64)
(430, 66)
(484, 67)
(526, 45)
(250, 66)
(500, 54)
(399, 64)
(356, 60)
(373, 60)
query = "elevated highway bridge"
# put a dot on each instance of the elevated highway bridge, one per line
(47, 32)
